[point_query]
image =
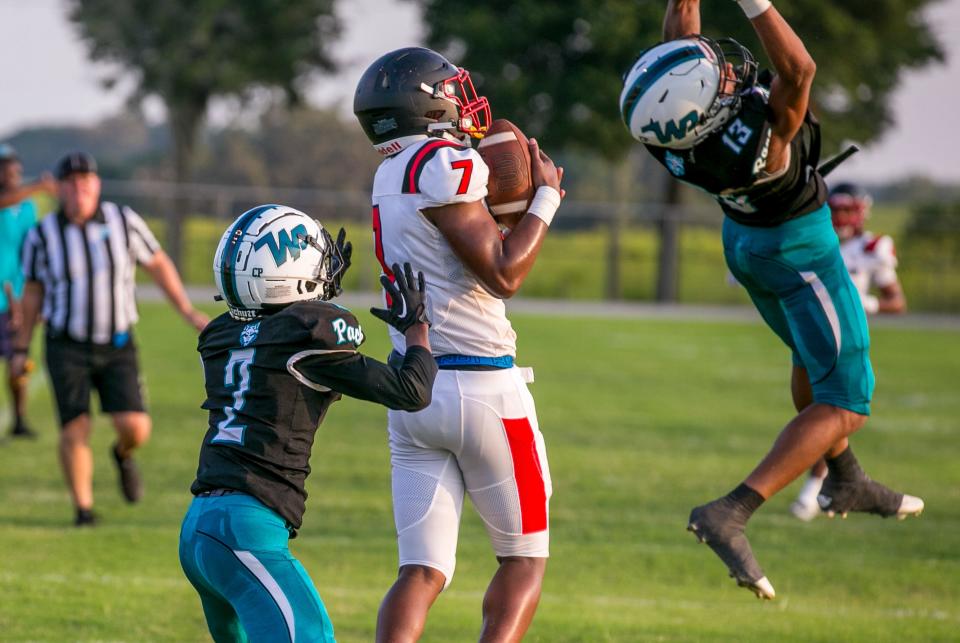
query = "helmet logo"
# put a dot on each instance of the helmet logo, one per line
(293, 241)
(384, 125)
(673, 130)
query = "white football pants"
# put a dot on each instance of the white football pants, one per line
(479, 434)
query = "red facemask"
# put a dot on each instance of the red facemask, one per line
(474, 109)
(848, 212)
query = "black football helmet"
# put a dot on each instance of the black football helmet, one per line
(414, 92)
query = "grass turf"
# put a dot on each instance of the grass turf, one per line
(643, 420)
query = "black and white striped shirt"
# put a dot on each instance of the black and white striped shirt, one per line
(88, 270)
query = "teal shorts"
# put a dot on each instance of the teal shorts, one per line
(233, 550)
(797, 280)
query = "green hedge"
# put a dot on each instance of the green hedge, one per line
(573, 265)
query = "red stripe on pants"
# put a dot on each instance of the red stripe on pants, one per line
(528, 474)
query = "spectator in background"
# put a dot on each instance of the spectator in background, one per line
(872, 264)
(17, 216)
(79, 264)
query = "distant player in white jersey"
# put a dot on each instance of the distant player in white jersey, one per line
(480, 434)
(872, 263)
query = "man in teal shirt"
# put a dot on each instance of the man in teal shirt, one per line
(17, 216)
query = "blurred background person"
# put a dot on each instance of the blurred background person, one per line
(80, 265)
(871, 261)
(17, 215)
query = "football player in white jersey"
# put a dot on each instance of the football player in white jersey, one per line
(870, 259)
(872, 264)
(480, 434)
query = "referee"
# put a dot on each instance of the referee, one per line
(79, 265)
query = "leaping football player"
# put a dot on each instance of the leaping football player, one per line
(480, 434)
(702, 111)
(273, 365)
(872, 264)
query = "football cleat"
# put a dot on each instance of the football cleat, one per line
(722, 530)
(909, 506)
(866, 496)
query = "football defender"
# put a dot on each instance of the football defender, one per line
(703, 112)
(872, 264)
(480, 434)
(273, 365)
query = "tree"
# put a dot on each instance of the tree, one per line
(190, 51)
(555, 67)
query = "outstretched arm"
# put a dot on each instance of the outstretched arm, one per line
(12, 197)
(682, 19)
(165, 275)
(790, 92)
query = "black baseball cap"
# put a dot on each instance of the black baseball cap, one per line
(8, 153)
(75, 163)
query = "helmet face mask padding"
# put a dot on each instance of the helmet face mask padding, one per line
(679, 92)
(272, 256)
(411, 93)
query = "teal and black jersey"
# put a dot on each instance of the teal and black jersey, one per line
(730, 164)
(269, 383)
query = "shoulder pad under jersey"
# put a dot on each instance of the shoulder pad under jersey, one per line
(882, 249)
(445, 172)
(321, 324)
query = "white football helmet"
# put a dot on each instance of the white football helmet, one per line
(272, 256)
(678, 92)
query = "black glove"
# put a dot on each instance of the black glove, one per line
(407, 299)
(344, 250)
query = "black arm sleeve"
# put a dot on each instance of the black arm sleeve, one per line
(407, 388)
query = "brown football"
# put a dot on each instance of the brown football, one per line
(510, 187)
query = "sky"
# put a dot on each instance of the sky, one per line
(51, 82)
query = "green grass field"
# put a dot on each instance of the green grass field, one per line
(643, 420)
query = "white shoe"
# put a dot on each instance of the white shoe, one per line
(805, 510)
(805, 507)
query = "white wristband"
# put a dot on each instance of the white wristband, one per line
(754, 8)
(545, 203)
(871, 305)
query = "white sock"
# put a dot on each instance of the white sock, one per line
(808, 494)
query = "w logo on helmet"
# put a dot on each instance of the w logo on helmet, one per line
(674, 131)
(293, 242)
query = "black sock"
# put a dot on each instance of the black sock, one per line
(746, 499)
(844, 466)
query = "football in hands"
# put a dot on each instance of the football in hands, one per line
(510, 188)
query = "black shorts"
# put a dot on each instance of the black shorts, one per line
(76, 367)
